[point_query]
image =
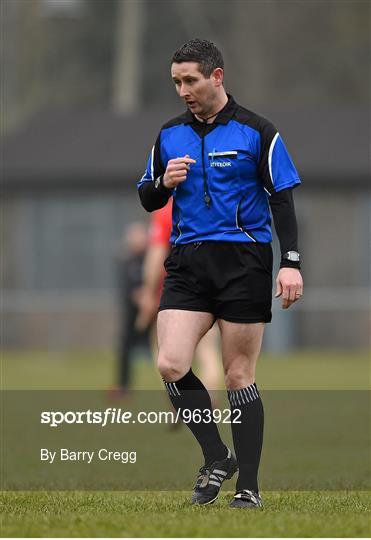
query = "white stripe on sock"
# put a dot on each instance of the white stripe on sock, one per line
(243, 396)
(252, 397)
(237, 396)
(175, 388)
(256, 390)
(170, 389)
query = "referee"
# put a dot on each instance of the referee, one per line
(227, 169)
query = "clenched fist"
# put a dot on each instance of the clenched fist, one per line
(176, 171)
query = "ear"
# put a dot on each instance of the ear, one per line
(218, 76)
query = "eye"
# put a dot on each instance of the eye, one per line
(176, 82)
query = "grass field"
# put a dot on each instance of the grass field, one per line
(335, 370)
(168, 514)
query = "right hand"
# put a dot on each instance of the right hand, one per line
(176, 171)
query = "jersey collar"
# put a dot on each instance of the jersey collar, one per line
(225, 115)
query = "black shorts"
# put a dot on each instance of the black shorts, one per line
(231, 280)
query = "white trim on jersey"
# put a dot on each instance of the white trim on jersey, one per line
(152, 158)
(271, 148)
(240, 228)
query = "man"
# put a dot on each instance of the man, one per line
(132, 250)
(224, 166)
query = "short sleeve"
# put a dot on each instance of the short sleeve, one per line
(276, 168)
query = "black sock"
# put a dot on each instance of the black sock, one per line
(189, 393)
(247, 435)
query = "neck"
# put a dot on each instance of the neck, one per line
(219, 104)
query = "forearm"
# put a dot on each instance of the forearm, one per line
(153, 198)
(283, 212)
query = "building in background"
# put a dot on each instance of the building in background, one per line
(70, 188)
(73, 150)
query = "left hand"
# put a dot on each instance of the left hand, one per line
(289, 285)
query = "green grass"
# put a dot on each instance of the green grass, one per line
(168, 514)
(308, 370)
(159, 514)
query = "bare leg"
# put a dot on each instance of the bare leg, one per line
(179, 333)
(209, 358)
(208, 354)
(241, 345)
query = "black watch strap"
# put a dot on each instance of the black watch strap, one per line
(289, 264)
(290, 259)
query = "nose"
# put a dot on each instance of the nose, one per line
(183, 92)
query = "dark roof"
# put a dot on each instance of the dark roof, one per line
(98, 148)
(78, 145)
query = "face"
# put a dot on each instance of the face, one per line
(198, 92)
(135, 238)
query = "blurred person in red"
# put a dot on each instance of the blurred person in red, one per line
(132, 249)
(150, 294)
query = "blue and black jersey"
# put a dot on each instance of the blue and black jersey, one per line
(241, 161)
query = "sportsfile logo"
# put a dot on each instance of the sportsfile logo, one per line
(118, 416)
(231, 154)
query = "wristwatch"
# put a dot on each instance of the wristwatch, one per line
(292, 256)
(158, 182)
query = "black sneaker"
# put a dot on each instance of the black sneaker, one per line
(210, 479)
(246, 499)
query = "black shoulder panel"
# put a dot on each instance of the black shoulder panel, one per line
(175, 121)
(254, 120)
(267, 133)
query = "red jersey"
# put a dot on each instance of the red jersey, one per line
(160, 225)
(159, 233)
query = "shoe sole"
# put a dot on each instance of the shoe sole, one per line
(205, 503)
(245, 507)
(228, 477)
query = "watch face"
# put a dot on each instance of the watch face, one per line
(293, 256)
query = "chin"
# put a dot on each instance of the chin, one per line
(197, 110)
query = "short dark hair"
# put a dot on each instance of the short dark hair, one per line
(202, 51)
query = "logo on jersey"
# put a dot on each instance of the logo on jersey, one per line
(231, 154)
(220, 164)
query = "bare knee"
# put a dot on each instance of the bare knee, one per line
(171, 370)
(238, 375)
